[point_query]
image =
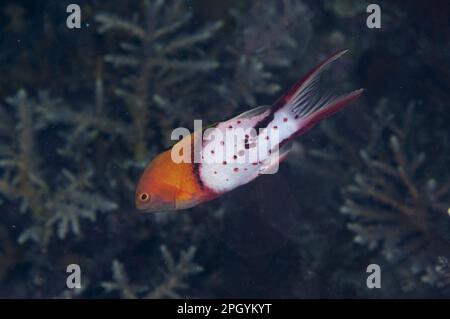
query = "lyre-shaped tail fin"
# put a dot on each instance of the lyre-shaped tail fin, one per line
(306, 105)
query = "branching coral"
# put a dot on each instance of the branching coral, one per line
(264, 41)
(19, 161)
(121, 283)
(163, 63)
(174, 277)
(176, 273)
(65, 207)
(25, 178)
(396, 205)
(73, 203)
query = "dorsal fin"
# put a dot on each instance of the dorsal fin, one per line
(255, 111)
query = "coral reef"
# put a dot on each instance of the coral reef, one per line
(173, 279)
(394, 205)
(153, 56)
(25, 180)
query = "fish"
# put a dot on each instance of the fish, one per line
(235, 152)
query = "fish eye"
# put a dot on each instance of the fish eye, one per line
(144, 197)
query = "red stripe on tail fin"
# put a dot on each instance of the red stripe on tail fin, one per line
(305, 103)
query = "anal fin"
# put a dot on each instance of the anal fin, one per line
(271, 164)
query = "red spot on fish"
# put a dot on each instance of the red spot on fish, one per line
(267, 137)
(296, 117)
(246, 136)
(275, 127)
(231, 126)
(254, 164)
(222, 143)
(212, 152)
(285, 119)
(224, 162)
(215, 172)
(234, 156)
(238, 122)
(236, 169)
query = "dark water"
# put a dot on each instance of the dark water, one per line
(85, 109)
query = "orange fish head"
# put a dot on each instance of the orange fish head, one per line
(158, 186)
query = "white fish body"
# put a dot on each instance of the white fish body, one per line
(238, 150)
